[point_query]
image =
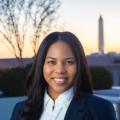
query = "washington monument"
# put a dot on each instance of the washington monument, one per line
(101, 36)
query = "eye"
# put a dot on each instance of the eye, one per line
(51, 62)
(70, 62)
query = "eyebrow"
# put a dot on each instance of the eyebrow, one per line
(55, 58)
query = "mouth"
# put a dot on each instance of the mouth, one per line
(60, 80)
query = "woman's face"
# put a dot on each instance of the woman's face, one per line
(59, 69)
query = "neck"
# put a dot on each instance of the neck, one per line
(53, 95)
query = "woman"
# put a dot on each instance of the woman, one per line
(59, 84)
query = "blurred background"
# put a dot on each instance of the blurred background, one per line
(24, 24)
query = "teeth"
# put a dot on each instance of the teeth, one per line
(59, 80)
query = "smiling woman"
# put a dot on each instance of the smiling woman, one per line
(59, 69)
(59, 84)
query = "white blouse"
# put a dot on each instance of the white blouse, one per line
(56, 110)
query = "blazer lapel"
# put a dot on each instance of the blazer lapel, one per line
(76, 109)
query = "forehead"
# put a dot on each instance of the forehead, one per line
(60, 48)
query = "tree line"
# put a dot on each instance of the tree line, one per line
(13, 81)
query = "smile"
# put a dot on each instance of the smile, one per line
(60, 80)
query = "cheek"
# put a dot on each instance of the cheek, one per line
(46, 71)
(72, 72)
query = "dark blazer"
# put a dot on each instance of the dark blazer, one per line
(86, 107)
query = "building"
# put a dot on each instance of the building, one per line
(110, 61)
(8, 63)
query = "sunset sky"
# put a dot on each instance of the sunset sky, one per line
(81, 17)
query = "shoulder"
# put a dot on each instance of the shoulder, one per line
(93, 99)
(17, 109)
(101, 107)
(20, 104)
(92, 107)
(98, 100)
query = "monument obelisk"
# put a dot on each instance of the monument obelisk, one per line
(101, 36)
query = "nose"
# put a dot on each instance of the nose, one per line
(61, 68)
